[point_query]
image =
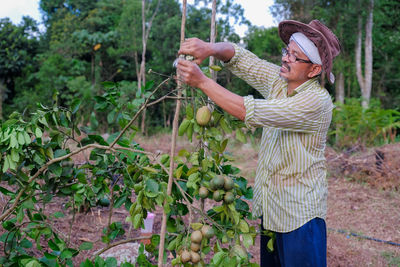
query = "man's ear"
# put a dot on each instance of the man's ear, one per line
(315, 70)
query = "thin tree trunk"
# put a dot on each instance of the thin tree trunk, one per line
(365, 81)
(368, 55)
(359, 73)
(340, 88)
(145, 37)
(143, 63)
(340, 99)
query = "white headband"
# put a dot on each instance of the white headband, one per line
(308, 47)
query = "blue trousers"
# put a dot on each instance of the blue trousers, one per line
(305, 246)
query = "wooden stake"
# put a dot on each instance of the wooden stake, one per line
(213, 36)
(173, 146)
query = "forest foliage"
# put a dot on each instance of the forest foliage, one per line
(84, 44)
(80, 75)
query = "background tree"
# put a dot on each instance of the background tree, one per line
(365, 80)
(18, 48)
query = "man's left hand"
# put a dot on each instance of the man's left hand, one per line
(190, 73)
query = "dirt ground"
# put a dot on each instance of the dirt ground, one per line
(363, 206)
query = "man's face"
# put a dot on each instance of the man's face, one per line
(295, 71)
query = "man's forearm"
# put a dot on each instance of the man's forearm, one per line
(223, 51)
(228, 101)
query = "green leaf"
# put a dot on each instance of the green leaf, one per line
(225, 127)
(6, 191)
(98, 138)
(270, 245)
(196, 226)
(11, 162)
(150, 169)
(59, 153)
(76, 103)
(86, 246)
(108, 84)
(111, 262)
(218, 257)
(38, 132)
(43, 121)
(49, 256)
(152, 186)
(8, 225)
(21, 139)
(32, 263)
(87, 263)
(240, 136)
(243, 226)
(53, 245)
(25, 243)
(247, 240)
(58, 215)
(189, 112)
(111, 116)
(13, 142)
(66, 254)
(27, 138)
(6, 164)
(137, 221)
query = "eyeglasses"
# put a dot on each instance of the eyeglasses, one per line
(292, 58)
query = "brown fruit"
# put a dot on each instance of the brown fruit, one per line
(203, 192)
(207, 231)
(185, 256)
(203, 116)
(195, 247)
(218, 195)
(229, 197)
(228, 183)
(195, 257)
(196, 237)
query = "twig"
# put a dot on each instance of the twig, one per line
(138, 113)
(117, 244)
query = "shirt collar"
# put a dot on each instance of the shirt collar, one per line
(304, 86)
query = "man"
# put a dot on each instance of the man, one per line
(290, 191)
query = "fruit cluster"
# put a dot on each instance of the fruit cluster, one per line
(222, 189)
(196, 238)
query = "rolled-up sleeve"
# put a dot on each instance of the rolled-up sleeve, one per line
(258, 73)
(300, 113)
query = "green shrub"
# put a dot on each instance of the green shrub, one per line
(352, 125)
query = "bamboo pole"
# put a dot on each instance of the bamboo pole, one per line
(173, 146)
(213, 37)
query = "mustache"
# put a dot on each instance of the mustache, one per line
(284, 64)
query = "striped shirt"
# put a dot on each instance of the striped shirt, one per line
(290, 185)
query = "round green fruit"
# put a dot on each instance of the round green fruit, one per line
(196, 237)
(207, 231)
(229, 197)
(228, 183)
(203, 116)
(218, 195)
(203, 192)
(105, 202)
(185, 256)
(218, 182)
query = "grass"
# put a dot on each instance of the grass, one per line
(392, 258)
